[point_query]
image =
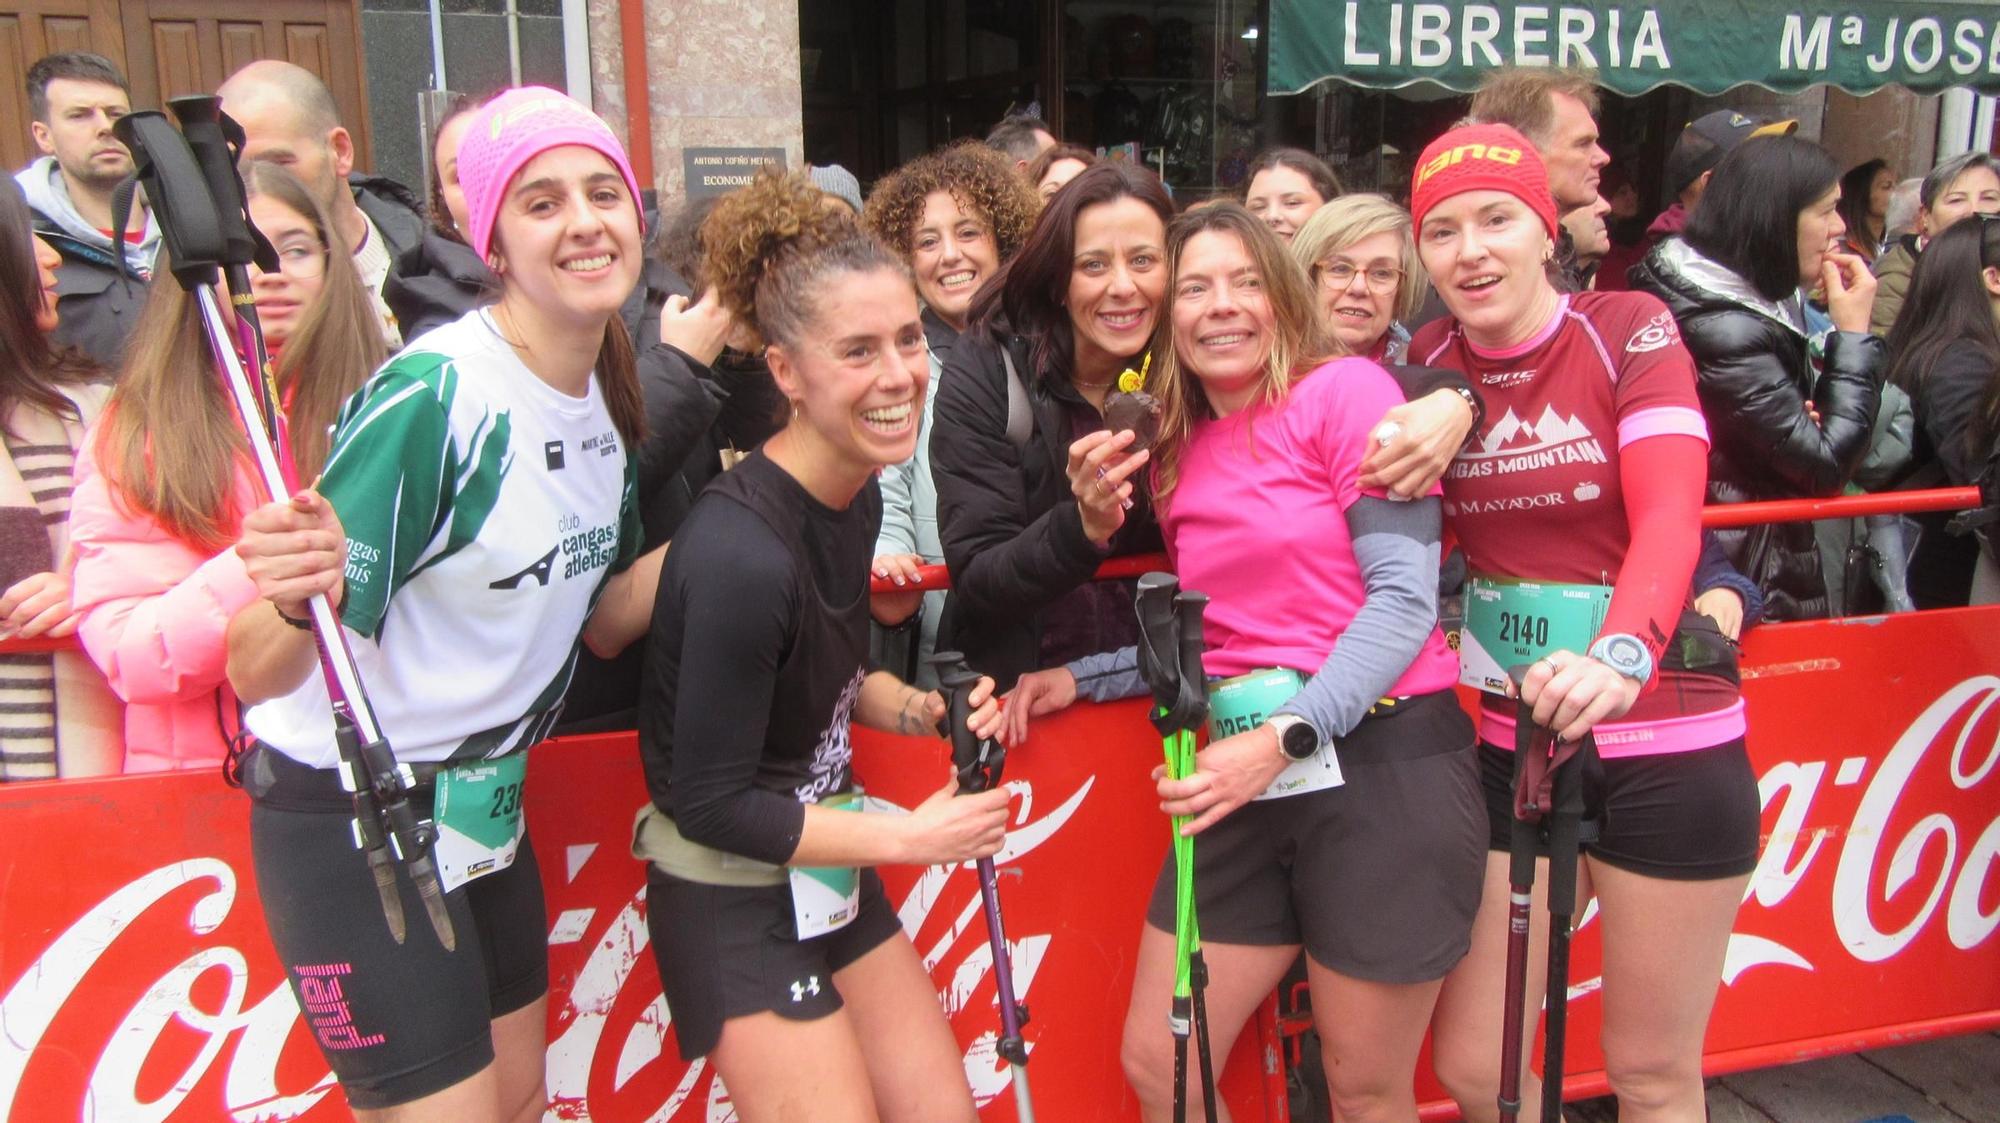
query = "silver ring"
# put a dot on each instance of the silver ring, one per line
(1554, 669)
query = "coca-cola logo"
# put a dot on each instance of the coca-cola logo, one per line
(251, 1084)
(1913, 861)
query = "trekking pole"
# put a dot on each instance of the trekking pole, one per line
(978, 762)
(1566, 832)
(1165, 617)
(203, 236)
(1188, 606)
(1548, 792)
(1522, 842)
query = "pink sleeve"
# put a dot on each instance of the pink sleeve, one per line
(154, 611)
(1342, 415)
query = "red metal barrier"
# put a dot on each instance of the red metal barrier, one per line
(136, 981)
(935, 577)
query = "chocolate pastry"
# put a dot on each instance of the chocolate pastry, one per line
(1135, 410)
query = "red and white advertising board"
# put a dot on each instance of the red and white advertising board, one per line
(136, 982)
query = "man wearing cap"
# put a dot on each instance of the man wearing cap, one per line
(289, 118)
(1957, 187)
(1702, 145)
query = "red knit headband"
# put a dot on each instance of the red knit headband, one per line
(1482, 158)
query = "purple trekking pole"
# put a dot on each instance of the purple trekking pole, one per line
(978, 762)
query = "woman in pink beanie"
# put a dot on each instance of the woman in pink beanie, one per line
(1586, 478)
(476, 524)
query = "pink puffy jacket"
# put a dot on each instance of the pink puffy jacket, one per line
(155, 613)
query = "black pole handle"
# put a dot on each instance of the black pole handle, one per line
(216, 141)
(178, 193)
(1189, 606)
(1159, 646)
(977, 760)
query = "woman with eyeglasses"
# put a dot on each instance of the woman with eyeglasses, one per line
(166, 480)
(1366, 281)
(1945, 352)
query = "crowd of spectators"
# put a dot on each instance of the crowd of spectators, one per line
(1836, 331)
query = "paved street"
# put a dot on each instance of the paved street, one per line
(1950, 1080)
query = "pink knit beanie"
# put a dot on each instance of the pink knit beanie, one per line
(511, 130)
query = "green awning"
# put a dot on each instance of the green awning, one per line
(1705, 45)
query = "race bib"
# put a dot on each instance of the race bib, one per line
(1510, 622)
(479, 818)
(1237, 705)
(826, 898)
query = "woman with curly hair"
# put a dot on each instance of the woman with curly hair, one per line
(781, 957)
(954, 215)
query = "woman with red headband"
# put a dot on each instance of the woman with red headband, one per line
(1585, 478)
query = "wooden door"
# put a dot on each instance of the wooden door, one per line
(30, 29)
(172, 47)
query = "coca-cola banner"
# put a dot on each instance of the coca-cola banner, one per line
(136, 981)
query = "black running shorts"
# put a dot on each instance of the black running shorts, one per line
(1690, 816)
(396, 1022)
(727, 951)
(1379, 878)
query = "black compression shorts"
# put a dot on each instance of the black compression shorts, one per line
(727, 951)
(1379, 878)
(395, 1022)
(1690, 816)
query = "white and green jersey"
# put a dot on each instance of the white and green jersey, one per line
(484, 511)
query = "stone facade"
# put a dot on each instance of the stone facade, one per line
(719, 73)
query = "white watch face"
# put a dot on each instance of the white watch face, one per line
(1625, 655)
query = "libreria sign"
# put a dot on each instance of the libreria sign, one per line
(1707, 45)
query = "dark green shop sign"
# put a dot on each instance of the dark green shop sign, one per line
(1705, 45)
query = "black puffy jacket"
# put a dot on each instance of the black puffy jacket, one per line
(1755, 375)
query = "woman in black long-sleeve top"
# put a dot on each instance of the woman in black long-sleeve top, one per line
(1075, 307)
(1945, 352)
(1783, 425)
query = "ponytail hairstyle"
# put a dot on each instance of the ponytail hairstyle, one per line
(1299, 340)
(171, 445)
(772, 247)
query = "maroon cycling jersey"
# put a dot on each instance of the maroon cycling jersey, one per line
(1538, 492)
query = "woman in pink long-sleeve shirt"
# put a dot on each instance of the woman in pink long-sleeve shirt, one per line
(165, 479)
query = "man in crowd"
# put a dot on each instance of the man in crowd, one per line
(1957, 187)
(73, 99)
(1590, 238)
(1556, 109)
(1691, 164)
(1022, 137)
(289, 118)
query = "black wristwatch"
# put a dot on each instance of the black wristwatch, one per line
(1296, 737)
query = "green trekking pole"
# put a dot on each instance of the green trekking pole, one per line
(1170, 660)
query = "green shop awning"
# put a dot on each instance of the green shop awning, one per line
(1705, 45)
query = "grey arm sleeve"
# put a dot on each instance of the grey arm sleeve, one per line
(1396, 547)
(1108, 676)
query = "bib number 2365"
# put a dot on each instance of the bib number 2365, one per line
(479, 818)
